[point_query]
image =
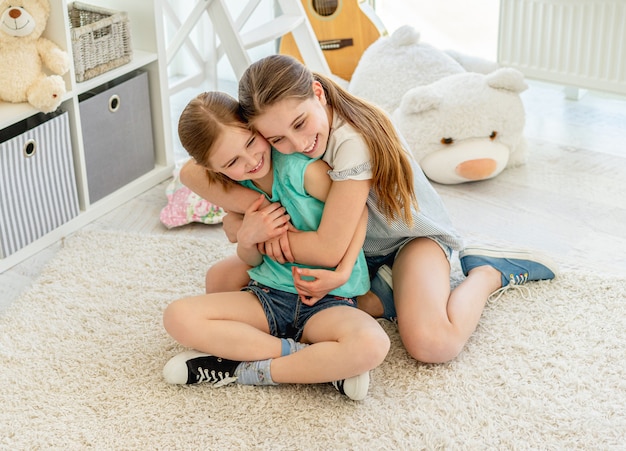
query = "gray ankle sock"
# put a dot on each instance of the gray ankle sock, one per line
(254, 373)
(258, 372)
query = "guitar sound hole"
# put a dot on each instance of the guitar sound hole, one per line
(325, 7)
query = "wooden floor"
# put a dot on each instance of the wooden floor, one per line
(569, 201)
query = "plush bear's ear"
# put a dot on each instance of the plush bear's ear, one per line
(45, 6)
(420, 99)
(405, 36)
(508, 79)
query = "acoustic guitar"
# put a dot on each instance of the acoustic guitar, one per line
(344, 29)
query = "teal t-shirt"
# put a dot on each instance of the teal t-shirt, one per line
(306, 213)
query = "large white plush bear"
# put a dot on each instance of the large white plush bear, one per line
(462, 117)
(24, 53)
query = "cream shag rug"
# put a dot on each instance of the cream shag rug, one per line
(82, 353)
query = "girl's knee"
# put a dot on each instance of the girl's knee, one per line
(381, 346)
(174, 319)
(431, 346)
(375, 343)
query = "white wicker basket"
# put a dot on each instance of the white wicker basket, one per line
(100, 39)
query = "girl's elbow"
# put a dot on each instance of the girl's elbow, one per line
(332, 258)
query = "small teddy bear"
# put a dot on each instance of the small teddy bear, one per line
(24, 53)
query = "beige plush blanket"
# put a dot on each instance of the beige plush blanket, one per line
(81, 355)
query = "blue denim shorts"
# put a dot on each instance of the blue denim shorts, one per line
(381, 288)
(286, 314)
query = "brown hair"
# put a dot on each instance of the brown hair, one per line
(201, 124)
(278, 77)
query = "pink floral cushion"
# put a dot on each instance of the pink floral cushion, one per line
(184, 206)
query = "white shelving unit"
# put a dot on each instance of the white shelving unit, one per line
(149, 55)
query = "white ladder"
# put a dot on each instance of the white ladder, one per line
(235, 45)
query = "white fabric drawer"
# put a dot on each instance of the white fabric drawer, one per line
(37, 180)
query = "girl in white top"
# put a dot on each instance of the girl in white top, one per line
(409, 237)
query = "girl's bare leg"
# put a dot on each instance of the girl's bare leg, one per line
(435, 323)
(230, 325)
(371, 304)
(230, 274)
(345, 342)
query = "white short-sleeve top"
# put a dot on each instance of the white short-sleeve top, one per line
(348, 156)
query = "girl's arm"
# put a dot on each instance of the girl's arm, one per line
(342, 212)
(326, 246)
(249, 254)
(314, 284)
(236, 199)
(318, 184)
(258, 225)
(356, 246)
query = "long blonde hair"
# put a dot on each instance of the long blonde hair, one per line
(279, 77)
(202, 122)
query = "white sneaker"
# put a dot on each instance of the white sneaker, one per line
(354, 387)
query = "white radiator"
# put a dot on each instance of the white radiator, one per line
(578, 43)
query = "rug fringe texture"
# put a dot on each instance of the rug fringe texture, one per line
(82, 353)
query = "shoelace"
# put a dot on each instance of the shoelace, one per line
(225, 381)
(518, 279)
(339, 386)
(516, 282)
(216, 378)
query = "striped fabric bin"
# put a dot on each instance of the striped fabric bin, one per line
(37, 180)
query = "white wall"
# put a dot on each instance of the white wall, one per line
(470, 27)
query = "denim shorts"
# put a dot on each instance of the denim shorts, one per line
(381, 288)
(286, 314)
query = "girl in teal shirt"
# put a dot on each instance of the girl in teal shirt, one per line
(266, 333)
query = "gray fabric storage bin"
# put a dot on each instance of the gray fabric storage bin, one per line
(37, 180)
(116, 122)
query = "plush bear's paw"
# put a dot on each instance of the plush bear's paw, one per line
(58, 61)
(47, 94)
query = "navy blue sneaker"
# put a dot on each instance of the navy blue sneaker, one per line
(516, 266)
(193, 367)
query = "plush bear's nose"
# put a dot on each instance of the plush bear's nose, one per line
(478, 169)
(15, 13)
